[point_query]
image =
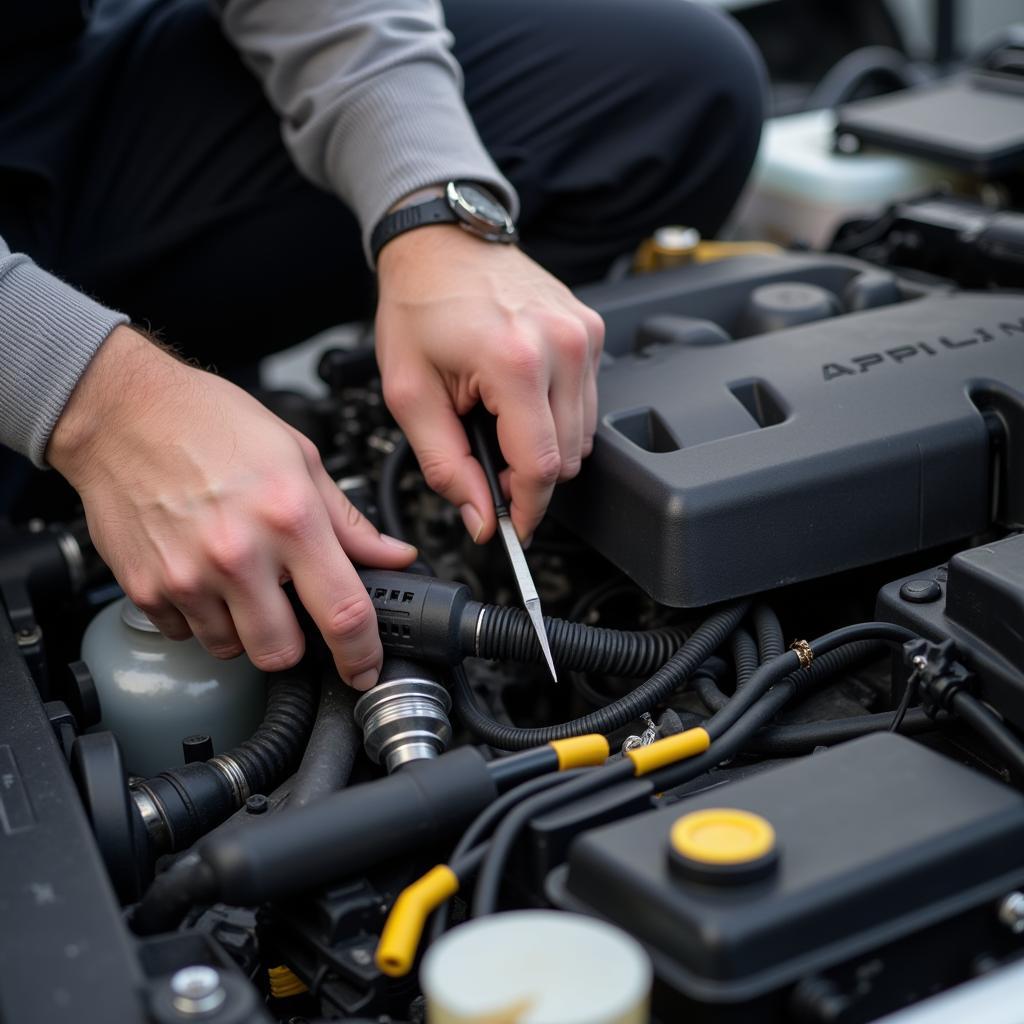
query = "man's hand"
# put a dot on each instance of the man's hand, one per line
(203, 503)
(461, 320)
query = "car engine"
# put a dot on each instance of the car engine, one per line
(784, 759)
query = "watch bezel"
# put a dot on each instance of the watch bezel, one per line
(475, 221)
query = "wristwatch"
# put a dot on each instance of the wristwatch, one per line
(470, 206)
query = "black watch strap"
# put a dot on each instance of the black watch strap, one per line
(433, 211)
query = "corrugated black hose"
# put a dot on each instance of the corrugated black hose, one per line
(191, 800)
(673, 673)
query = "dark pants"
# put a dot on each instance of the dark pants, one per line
(156, 180)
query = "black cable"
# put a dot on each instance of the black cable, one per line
(694, 651)
(388, 506)
(805, 737)
(488, 884)
(744, 656)
(974, 714)
(901, 710)
(728, 741)
(482, 824)
(770, 640)
(772, 672)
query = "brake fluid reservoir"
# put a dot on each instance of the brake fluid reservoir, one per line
(154, 692)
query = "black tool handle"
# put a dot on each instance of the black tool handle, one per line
(482, 430)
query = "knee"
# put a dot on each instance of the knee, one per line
(699, 58)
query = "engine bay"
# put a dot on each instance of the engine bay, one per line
(784, 756)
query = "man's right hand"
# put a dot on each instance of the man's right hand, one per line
(203, 503)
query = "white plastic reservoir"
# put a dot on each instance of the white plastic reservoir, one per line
(154, 692)
(801, 188)
(536, 967)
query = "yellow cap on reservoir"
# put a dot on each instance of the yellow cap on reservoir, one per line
(723, 844)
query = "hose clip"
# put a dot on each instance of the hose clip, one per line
(802, 649)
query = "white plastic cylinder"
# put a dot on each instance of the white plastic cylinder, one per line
(536, 967)
(154, 692)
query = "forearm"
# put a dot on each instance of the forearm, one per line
(369, 95)
(49, 333)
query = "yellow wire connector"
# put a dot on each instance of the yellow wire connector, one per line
(669, 750)
(396, 951)
(581, 751)
(284, 982)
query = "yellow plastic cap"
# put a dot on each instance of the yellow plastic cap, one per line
(581, 751)
(722, 835)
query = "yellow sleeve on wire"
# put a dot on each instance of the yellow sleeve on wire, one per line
(581, 751)
(669, 750)
(284, 982)
(396, 951)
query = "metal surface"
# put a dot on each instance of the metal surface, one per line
(527, 589)
(1011, 912)
(404, 720)
(197, 990)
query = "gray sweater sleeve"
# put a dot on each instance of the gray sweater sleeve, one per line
(48, 334)
(369, 95)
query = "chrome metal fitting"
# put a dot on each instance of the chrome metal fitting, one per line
(234, 775)
(197, 990)
(149, 810)
(405, 719)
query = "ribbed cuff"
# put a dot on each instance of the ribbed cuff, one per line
(48, 334)
(403, 131)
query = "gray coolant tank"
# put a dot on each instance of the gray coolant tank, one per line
(154, 692)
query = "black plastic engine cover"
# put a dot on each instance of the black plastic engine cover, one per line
(725, 468)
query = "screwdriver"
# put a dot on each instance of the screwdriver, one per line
(482, 429)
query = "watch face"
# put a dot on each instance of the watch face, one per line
(483, 205)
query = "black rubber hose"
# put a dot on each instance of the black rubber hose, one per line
(704, 640)
(193, 799)
(705, 681)
(974, 714)
(744, 656)
(273, 750)
(388, 505)
(728, 741)
(770, 640)
(774, 671)
(187, 883)
(505, 633)
(326, 765)
(805, 737)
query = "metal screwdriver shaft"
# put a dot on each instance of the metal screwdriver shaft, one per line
(483, 439)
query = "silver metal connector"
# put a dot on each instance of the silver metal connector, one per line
(404, 718)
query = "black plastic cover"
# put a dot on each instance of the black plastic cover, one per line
(878, 839)
(977, 600)
(974, 122)
(722, 470)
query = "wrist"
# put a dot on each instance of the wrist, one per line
(419, 196)
(122, 370)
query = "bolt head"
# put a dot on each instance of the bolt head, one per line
(1011, 912)
(920, 662)
(197, 990)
